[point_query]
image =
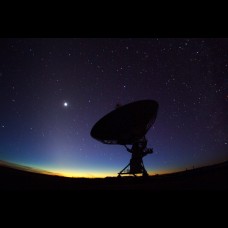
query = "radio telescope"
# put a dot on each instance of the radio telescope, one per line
(128, 125)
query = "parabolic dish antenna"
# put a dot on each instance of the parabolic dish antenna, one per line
(128, 125)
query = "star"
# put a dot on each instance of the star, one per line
(65, 104)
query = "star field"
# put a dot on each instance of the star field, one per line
(53, 90)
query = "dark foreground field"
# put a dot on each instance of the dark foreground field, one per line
(207, 178)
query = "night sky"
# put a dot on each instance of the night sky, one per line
(52, 92)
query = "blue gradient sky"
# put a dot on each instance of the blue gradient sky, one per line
(188, 78)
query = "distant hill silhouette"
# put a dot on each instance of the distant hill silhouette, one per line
(213, 177)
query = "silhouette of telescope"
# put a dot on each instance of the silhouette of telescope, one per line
(128, 125)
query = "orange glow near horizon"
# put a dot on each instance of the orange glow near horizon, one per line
(96, 174)
(77, 173)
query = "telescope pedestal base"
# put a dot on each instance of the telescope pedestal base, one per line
(130, 171)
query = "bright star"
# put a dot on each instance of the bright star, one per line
(65, 104)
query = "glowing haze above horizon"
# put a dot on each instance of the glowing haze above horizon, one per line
(53, 91)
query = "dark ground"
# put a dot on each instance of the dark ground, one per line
(207, 178)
